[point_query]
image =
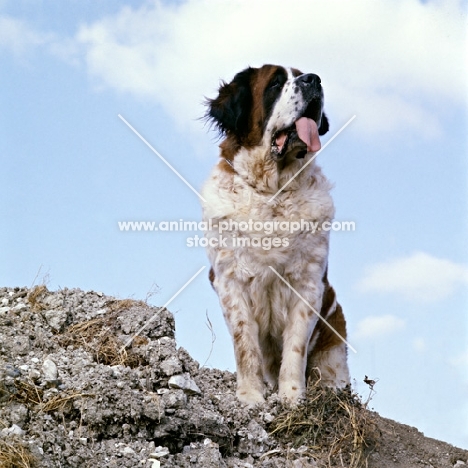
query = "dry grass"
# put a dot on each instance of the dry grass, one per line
(118, 305)
(15, 454)
(60, 401)
(98, 336)
(332, 422)
(35, 297)
(31, 395)
(27, 393)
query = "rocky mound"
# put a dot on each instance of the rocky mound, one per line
(73, 395)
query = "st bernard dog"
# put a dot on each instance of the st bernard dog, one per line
(273, 288)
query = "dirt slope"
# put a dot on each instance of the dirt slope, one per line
(72, 396)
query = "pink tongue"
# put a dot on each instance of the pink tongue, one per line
(308, 132)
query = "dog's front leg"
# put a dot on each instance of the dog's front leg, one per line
(300, 324)
(244, 331)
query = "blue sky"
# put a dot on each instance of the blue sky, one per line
(71, 169)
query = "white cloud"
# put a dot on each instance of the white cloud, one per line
(377, 326)
(19, 37)
(419, 277)
(391, 63)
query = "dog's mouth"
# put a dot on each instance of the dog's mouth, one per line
(303, 134)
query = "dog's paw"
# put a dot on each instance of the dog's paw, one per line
(292, 394)
(249, 397)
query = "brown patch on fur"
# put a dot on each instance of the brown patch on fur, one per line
(260, 81)
(242, 356)
(226, 301)
(229, 147)
(239, 330)
(211, 276)
(327, 338)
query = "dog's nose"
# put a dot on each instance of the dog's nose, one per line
(309, 79)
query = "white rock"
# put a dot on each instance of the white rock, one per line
(24, 367)
(459, 464)
(171, 366)
(4, 310)
(13, 430)
(155, 463)
(49, 369)
(185, 383)
(5, 301)
(159, 452)
(128, 450)
(55, 318)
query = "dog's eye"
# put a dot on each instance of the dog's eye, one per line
(275, 84)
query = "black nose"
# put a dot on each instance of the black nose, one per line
(309, 79)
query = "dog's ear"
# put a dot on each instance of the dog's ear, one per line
(324, 125)
(230, 110)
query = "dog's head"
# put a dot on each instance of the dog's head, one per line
(272, 106)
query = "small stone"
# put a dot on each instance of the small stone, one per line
(83, 440)
(128, 451)
(55, 318)
(174, 399)
(160, 452)
(24, 367)
(5, 301)
(35, 360)
(459, 464)
(155, 463)
(20, 345)
(171, 366)
(18, 414)
(4, 310)
(34, 374)
(49, 369)
(12, 371)
(12, 431)
(185, 383)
